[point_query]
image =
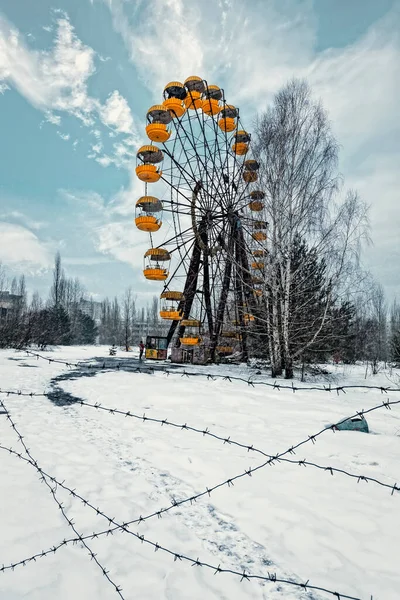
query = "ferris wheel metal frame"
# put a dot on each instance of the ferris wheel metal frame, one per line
(218, 246)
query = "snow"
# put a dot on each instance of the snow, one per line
(298, 522)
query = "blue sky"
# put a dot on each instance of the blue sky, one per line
(77, 77)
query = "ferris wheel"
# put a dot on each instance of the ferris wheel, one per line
(204, 215)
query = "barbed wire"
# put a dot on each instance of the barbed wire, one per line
(213, 376)
(249, 447)
(208, 491)
(271, 460)
(270, 577)
(43, 478)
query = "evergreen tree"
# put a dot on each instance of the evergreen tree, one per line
(394, 345)
(86, 329)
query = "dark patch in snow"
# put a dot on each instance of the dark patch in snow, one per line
(61, 398)
(57, 395)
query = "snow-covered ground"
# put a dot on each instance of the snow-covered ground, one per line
(297, 522)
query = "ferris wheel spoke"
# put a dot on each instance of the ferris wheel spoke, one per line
(179, 129)
(212, 124)
(215, 157)
(177, 236)
(224, 295)
(188, 248)
(202, 164)
(189, 178)
(210, 177)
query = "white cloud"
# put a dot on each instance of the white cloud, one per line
(117, 114)
(27, 221)
(374, 175)
(64, 136)
(52, 118)
(121, 241)
(110, 225)
(22, 249)
(3, 88)
(104, 161)
(97, 148)
(212, 40)
(360, 84)
(57, 80)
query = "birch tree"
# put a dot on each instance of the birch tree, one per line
(299, 156)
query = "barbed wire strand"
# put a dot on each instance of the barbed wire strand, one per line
(43, 478)
(251, 448)
(208, 491)
(271, 577)
(248, 447)
(214, 376)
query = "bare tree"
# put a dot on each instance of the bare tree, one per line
(36, 302)
(3, 278)
(379, 321)
(57, 292)
(129, 315)
(298, 174)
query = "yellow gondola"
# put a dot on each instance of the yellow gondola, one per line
(158, 132)
(190, 341)
(174, 95)
(257, 195)
(157, 271)
(191, 323)
(158, 117)
(195, 87)
(240, 148)
(251, 165)
(191, 336)
(146, 208)
(224, 349)
(250, 176)
(171, 312)
(211, 99)
(256, 205)
(241, 141)
(148, 223)
(149, 156)
(242, 136)
(259, 236)
(148, 173)
(227, 122)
